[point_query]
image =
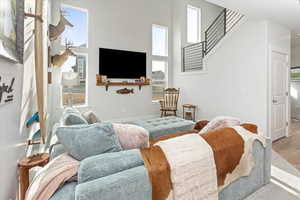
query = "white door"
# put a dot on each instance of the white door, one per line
(279, 93)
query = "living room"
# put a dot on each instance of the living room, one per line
(92, 88)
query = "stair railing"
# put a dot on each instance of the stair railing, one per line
(193, 54)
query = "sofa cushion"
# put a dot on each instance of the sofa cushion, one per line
(132, 184)
(106, 164)
(88, 140)
(164, 126)
(131, 136)
(91, 117)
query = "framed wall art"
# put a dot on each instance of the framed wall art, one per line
(12, 29)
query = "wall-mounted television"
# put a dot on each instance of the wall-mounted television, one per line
(122, 64)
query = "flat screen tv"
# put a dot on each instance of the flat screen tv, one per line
(122, 64)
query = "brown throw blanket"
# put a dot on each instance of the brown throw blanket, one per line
(227, 146)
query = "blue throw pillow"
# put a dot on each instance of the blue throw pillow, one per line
(89, 140)
(72, 118)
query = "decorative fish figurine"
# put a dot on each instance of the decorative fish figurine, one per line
(125, 91)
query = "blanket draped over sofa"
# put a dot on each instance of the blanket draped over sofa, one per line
(232, 154)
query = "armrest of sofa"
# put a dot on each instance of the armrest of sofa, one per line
(102, 165)
(130, 184)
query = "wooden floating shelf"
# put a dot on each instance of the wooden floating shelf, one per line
(108, 84)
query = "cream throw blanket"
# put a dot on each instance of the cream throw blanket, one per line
(193, 170)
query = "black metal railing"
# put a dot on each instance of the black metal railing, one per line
(193, 57)
(215, 31)
(193, 54)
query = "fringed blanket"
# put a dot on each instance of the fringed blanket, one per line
(181, 166)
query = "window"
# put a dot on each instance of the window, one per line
(193, 24)
(159, 69)
(75, 95)
(77, 35)
(159, 40)
(159, 61)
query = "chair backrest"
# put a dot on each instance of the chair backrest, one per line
(171, 96)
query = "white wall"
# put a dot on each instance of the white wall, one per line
(9, 134)
(234, 70)
(235, 82)
(127, 25)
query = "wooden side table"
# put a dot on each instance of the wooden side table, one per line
(24, 165)
(189, 112)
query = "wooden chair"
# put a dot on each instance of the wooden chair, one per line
(169, 103)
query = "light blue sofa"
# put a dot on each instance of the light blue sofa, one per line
(123, 176)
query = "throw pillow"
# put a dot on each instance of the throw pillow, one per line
(221, 122)
(72, 118)
(85, 141)
(51, 177)
(131, 136)
(91, 117)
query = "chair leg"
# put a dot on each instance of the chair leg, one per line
(161, 114)
(175, 114)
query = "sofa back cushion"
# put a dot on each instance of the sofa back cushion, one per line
(88, 140)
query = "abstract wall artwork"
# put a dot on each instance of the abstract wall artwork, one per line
(6, 89)
(11, 29)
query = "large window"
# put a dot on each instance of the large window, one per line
(76, 33)
(159, 61)
(75, 94)
(193, 24)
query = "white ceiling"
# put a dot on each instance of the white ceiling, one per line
(285, 12)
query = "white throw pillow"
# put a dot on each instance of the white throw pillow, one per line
(90, 117)
(131, 136)
(221, 122)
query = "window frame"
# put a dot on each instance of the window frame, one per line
(199, 24)
(160, 58)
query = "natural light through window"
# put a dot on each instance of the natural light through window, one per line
(160, 58)
(74, 91)
(158, 79)
(294, 93)
(159, 40)
(78, 34)
(193, 24)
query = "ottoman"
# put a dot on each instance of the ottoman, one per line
(164, 126)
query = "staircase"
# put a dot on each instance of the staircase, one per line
(193, 54)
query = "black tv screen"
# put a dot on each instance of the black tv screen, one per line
(122, 64)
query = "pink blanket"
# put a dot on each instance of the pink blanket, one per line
(51, 177)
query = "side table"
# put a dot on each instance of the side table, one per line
(25, 165)
(189, 112)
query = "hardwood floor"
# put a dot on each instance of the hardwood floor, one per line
(289, 148)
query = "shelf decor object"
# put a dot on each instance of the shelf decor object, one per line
(189, 112)
(107, 84)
